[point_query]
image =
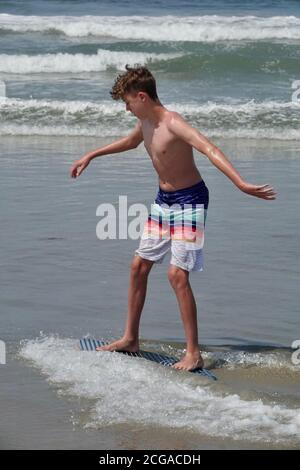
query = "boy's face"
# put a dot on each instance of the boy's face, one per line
(135, 103)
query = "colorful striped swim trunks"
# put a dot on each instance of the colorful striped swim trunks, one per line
(176, 222)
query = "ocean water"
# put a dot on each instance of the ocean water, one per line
(230, 68)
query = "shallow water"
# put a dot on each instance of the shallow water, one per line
(59, 278)
(230, 69)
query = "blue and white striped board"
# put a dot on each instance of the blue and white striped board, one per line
(90, 344)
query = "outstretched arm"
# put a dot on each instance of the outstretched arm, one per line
(182, 129)
(122, 145)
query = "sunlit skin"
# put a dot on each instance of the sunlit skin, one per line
(170, 141)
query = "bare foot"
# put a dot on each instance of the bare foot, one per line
(190, 362)
(122, 344)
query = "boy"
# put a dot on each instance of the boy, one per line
(169, 140)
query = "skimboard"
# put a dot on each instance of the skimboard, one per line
(90, 344)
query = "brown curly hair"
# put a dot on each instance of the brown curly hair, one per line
(136, 78)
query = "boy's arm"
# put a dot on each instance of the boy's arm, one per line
(182, 129)
(128, 142)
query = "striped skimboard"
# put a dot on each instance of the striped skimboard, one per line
(90, 344)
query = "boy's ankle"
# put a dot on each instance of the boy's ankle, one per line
(193, 352)
(131, 339)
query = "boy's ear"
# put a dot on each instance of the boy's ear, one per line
(142, 95)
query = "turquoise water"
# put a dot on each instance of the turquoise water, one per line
(228, 67)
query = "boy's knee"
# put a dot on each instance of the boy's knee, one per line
(140, 266)
(178, 277)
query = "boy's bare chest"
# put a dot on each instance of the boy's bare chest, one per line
(158, 141)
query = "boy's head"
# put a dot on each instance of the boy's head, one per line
(137, 88)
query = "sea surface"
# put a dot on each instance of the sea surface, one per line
(231, 69)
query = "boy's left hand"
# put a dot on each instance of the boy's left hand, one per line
(264, 191)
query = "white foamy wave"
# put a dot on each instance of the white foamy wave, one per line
(62, 130)
(250, 107)
(64, 118)
(77, 63)
(128, 390)
(252, 120)
(110, 107)
(114, 132)
(207, 28)
(107, 108)
(268, 360)
(261, 133)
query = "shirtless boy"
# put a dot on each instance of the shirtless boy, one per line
(169, 140)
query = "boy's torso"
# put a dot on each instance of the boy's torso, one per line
(172, 157)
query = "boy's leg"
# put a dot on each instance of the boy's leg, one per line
(140, 269)
(179, 279)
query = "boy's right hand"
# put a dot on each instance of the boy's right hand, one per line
(78, 166)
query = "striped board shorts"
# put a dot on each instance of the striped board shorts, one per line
(176, 223)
